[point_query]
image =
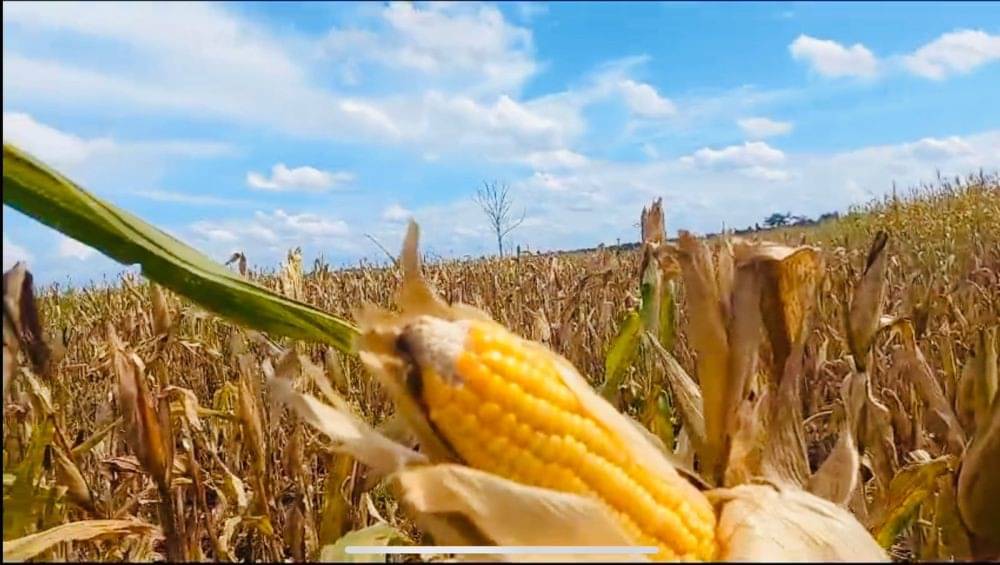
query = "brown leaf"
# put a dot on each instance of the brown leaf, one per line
(979, 481)
(651, 223)
(162, 323)
(911, 362)
(20, 308)
(977, 387)
(142, 423)
(22, 549)
(707, 332)
(69, 475)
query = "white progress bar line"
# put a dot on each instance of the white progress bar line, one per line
(501, 550)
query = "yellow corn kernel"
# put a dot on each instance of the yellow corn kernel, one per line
(504, 408)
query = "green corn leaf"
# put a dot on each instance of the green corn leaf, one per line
(622, 353)
(36, 190)
(668, 316)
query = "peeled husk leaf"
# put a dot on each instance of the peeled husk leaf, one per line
(350, 434)
(506, 512)
(378, 534)
(773, 524)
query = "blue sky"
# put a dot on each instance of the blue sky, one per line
(265, 126)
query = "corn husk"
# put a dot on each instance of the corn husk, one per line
(776, 524)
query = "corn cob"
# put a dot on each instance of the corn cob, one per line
(503, 407)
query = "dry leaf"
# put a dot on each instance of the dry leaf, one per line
(979, 481)
(22, 549)
(707, 332)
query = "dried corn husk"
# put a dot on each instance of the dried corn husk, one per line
(771, 523)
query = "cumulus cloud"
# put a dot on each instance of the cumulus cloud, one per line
(471, 46)
(396, 213)
(270, 234)
(284, 179)
(759, 128)
(832, 59)
(753, 159)
(51, 144)
(69, 248)
(936, 148)
(643, 100)
(958, 52)
(87, 159)
(750, 153)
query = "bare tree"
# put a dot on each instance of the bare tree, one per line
(495, 200)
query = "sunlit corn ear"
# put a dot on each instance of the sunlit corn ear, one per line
(771, 523)
(866, 306)
(477, 394)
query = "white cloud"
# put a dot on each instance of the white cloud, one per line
(470, 46)
(831, 59)
(396, 213)
(643, 100)
(50, 144)
(304, 178)
(191, 199)
(69, 248)
(749, 154)
(953, 53)
(196, 60)
(936, 148)
(759, 128)
(72, 153)
(763, 173)
(12, 253)
(269, 234)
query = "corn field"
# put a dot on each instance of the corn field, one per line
(824, 392)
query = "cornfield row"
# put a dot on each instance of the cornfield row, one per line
(217, 470)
